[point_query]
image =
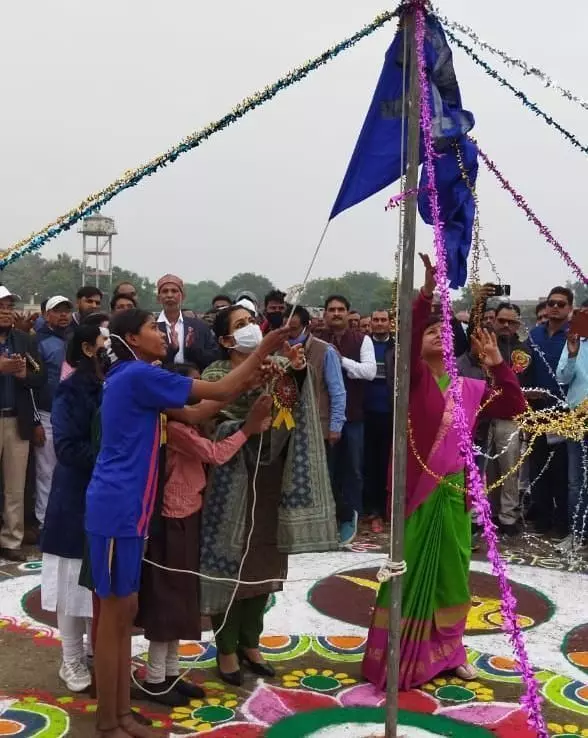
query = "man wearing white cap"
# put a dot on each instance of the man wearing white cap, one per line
(20, 374)
(52, 343)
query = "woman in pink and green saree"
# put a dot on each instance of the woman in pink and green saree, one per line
(437, 534)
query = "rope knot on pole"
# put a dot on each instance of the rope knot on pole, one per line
(390, 570)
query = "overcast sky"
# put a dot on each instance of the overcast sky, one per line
(89, 90)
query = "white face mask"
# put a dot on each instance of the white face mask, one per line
(247, 339)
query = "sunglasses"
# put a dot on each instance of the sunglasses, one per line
(557, 303)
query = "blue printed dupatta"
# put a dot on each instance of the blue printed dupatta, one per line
(306, 515)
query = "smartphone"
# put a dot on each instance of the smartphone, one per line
(501, 290)
(579, 324)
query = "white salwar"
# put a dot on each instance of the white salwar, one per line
(60, 591)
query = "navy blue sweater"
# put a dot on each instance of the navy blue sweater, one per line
(75, 405)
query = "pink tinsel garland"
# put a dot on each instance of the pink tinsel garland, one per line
(532, 699)
(524, 206)
(396, 200)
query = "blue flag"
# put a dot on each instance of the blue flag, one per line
(375, 163)
(376, 160)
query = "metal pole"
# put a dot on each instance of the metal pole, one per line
(403, 349)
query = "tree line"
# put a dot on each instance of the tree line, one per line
(35, 277)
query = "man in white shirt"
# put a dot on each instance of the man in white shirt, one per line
(358, 362)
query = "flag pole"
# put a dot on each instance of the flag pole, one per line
(402, 374)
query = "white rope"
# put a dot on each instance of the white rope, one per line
(237, 584)
(308, 271)
(238, 581)
(252, 581)
(390, 570)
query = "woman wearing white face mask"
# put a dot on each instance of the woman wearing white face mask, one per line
(294, 511)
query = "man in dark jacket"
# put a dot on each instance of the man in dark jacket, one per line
(378, 421)
(21, 374)
(189, 339)
(52, 342)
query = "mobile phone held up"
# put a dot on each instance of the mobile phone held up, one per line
(579, 324)
(501, 290)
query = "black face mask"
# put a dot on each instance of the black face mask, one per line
(275, 320)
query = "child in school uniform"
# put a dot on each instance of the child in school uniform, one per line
(169, 609)
(122, 493)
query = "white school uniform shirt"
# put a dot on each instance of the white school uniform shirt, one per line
(179, 357)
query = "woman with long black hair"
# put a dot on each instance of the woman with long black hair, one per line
(74, 420)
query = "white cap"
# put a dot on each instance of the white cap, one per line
(247, 304)
(53, 302)
(5, 292)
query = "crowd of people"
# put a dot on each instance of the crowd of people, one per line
(137, 446)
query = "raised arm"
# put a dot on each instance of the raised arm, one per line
(241, 376)
(196, 414)
(421, 312)
(566, 369)
(187, 441)
(505, 400)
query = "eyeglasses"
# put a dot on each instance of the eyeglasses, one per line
(506, 321)
(557, 303)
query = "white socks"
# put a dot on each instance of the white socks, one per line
(71, 630)
(162, 661)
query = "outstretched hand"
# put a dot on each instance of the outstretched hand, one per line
(295, 355)
(263, 375)
(573, 345)
(272, 342)
(430, 275)
(486, 347)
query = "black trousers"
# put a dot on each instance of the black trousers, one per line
(377, 443)
(549, 492)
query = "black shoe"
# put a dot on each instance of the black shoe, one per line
(161, 693)
(185, 688)
(234, 678)
(13, 554)
(509, 530)
(261, 669)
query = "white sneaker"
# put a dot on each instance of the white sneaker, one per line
(76, 676)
